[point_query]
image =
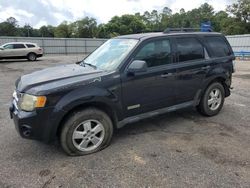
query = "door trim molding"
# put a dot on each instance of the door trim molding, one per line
(150, 114)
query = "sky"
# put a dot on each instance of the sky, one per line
(52, 12)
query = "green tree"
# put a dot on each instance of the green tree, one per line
(84, 28)
(165, 18)
(206, 12)
(27, 31)
(47, 31)
(240, 10)
(63, 30)
(126, 24)
(102, 31)
(12, 21)
(9, 27)
(219, 19)
(233, 27)
(153, 20)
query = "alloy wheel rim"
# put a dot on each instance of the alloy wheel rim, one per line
(32, 57)
(214, 99)
(88, 135)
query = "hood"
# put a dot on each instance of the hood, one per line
(55, 77)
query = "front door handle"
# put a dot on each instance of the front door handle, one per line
(206, 67)
(165, 75)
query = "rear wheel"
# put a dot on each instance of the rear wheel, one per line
(31, 56)
(212, 100)
(86, 131)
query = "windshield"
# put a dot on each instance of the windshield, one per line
(110, 55)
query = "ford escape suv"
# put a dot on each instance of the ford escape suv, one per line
(126, 79)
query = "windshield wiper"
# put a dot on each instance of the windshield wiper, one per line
(84, 63)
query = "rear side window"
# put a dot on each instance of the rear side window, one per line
(189, 49)
(218, 46)
(17, 46)
(30, 45)
(155, 53)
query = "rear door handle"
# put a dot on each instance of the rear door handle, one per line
(165, 75)
(206, 67)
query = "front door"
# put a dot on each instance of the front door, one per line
(20, 50)
(153, 89)
(7, 51)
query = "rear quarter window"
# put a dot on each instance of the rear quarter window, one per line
(30, 45)
(218, 46)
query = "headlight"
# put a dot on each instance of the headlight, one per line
(30, 102)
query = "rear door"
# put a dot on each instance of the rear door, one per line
(192, 66)
(153, 89)
(20, 50)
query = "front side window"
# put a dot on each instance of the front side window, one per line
(18, 46)
(155, 53)
(189, 49)
(110, 55)
(218, 46)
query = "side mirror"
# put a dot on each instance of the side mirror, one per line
(1, 48)
(137, 66)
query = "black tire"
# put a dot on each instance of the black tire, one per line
(31, 57)
(204, 107)
(66, 135)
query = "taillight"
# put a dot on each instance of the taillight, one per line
(234, 69)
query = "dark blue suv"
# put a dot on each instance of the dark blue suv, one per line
(127, 79)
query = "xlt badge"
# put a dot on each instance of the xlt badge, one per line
(134, 106)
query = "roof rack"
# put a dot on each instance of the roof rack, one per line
(175, 30)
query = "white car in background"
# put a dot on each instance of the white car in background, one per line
(20, 50)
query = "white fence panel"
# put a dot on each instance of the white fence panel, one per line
(64, 46)
(239, 42)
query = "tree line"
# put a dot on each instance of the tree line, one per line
(235, 19)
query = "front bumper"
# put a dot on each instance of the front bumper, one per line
(38, 125)
(39, 55)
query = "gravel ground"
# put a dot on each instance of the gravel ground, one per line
(180, 149)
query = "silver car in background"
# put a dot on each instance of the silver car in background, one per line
(20, 50)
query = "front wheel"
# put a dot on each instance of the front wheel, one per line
(86, 131)
(212, 100)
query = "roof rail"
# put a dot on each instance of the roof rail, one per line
(175, 30)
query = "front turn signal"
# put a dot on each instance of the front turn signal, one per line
(41, 101)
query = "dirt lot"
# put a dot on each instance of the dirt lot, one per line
(181, 149)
